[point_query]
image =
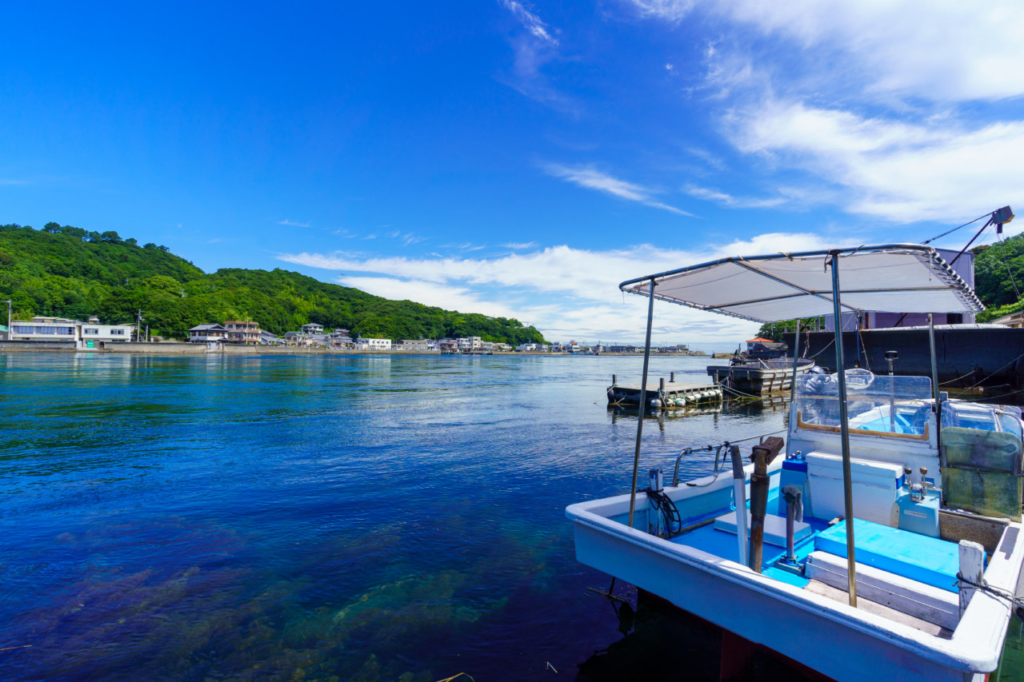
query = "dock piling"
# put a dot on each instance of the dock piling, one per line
(673, 377)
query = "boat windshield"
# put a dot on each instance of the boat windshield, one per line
(874, 403)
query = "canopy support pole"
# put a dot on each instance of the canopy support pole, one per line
(844, 432)
(796, 358)
(938, 395)
(643, 405)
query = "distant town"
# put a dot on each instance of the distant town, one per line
(94, 335)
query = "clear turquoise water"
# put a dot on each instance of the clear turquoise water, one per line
(351, 518)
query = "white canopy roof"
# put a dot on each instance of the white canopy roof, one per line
(900, 278)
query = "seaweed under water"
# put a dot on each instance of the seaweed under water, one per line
(320, 518)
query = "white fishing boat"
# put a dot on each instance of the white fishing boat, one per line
(881, 540)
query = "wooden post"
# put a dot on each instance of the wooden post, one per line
(661, 384)
(615, 380)
(972, 568)
(673, 377)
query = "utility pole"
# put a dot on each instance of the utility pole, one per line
(138, 326)
(8, 319)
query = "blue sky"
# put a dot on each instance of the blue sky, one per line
(512, 158)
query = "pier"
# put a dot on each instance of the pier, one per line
(663, 394)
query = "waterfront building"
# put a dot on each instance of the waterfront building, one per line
(269, 339)
(207, 333)
(243, 331)
(373, 344)
(469, 343)
(312, 328)
(64, 329)
(526, 347)
(418, 346)
(341, 338)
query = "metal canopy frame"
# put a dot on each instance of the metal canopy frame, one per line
(831, 258)
(967, 295)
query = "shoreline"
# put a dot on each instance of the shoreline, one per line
(173, 349)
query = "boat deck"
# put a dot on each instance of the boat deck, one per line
(900, 567)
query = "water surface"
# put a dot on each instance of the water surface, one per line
(320, 517)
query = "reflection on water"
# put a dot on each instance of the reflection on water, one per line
(349, 518)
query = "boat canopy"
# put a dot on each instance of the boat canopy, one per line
(904, 278)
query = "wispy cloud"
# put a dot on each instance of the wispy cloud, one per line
(900, 171)
(591, 178)
(292, 223)
(920, 126)
(731, 201)
(530, 21)
(407, 238)
(465, 246)
(534, 49)
(520, 245)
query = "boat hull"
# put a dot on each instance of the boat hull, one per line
(967, 356)
(843, 643)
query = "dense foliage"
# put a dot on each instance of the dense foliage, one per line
(70, 272)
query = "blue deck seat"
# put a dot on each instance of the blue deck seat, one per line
(918, 557)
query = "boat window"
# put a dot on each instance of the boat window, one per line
(969, 417)
(874, 403)
(1009, 423)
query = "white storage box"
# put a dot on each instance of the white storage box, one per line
(875, 485)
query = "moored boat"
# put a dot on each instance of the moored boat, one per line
(881, 538)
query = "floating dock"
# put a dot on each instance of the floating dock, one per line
(758, 377)
(661, 394)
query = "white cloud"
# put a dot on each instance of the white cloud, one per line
(291, 223)
(530, 21)
(869, 97)
(564, 292)
(520, 245)
(732, 201)
(591, 178)
(428, 293)
(938, 50)
(580, 273)
(899, 171)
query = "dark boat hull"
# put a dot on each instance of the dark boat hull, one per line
(968, 356)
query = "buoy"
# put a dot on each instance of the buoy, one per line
(655, 403)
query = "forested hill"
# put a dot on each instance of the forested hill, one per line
(66, 271)
(999, 276)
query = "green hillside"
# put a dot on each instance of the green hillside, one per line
(999, 274)
(70, 272)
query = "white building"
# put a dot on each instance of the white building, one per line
(89, 334)
(527, 347)
(470, 343)
(312, 328)
(373, 344)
